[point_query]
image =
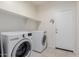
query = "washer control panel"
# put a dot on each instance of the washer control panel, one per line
(29, 34)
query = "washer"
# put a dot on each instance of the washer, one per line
(16, 44)
(39, 41)
(0, 48)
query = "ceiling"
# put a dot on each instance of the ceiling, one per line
(38, 3)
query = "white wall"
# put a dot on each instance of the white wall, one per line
(10, 22)
(31, 25)
(77, 31)
(15, 23)
(47, 11)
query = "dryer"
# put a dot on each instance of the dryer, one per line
(39, 41)
(16, 44)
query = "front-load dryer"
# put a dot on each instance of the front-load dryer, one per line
(16, 44)
(39, 42)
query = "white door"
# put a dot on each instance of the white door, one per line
(65, 33)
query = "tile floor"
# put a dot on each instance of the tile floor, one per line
(50, 52)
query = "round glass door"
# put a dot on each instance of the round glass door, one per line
(0, 49)
(22, 50)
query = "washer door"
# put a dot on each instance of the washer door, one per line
(0, 49)
(22, 48)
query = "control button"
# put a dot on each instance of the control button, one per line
(29, 34)
(23, 35)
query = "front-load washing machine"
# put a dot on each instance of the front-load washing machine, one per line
(1, 49)
(39, 42)
(16, 44)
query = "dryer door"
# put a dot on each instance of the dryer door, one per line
(22, 48)
(44, 40)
